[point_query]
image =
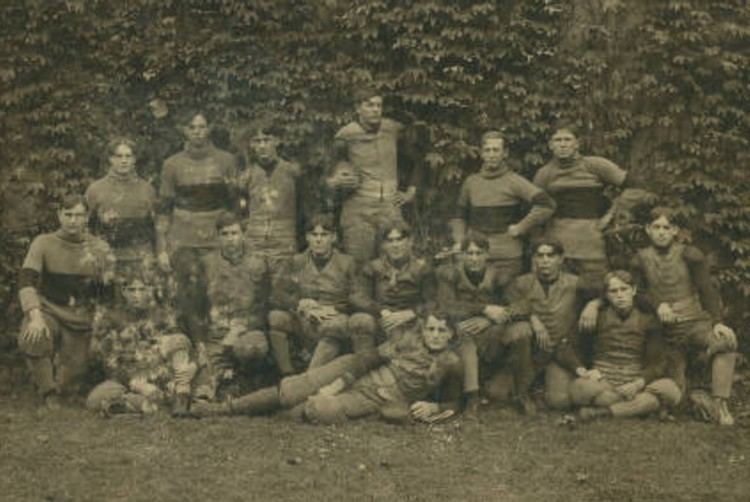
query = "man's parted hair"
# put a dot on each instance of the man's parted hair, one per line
(227, 219)
(322, 220)
(667, 212)
(492, 134)
(555, 244)
(72, 200)
(479, 239)
(623, 275)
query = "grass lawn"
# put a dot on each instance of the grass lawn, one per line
(73, 455)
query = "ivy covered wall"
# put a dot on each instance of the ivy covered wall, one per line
(659, 86)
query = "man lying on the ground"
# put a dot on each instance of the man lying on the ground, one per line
(314, 296)
(628, 377)
(236, 288)
(395, 381)
(553, 299)
(145, 358)
(677, 283)
(396, 288)
(471, 292)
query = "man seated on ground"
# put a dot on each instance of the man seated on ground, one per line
(628, 374)
(396, 288)
(471, 292)
(553, 299)
(236, 287)
(676, 281)
(315, 299)
(394, 381)
(145, 358)
(64, 275)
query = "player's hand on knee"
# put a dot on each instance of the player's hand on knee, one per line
(666, 314)
(722, 339)
(37, 329)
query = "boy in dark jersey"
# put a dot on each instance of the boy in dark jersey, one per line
(675, 279)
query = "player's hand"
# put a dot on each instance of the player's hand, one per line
(423, 410)
(332, 388)
(37, 329)
(589, 316)
(164, 263)
(605, 220)
(400, 198)
(392, 320)
(322, 313)
(630, 389)
(541, 334)
(473, 326)
(593, 375)
(497, 314)
(514, 231)
(305, 305)
(722, 339)
(666, 314)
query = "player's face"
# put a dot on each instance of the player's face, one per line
(196, 132)
(230, 238)
(320, 241)
(547, 262)
(122, 160)
(661, 232)
(620, 295)
(563, 144)
(264, 147)
(436, 333)
(73, 220)
(475, 258)
(137, 294)
(493, 152)
(396, 246)
(370, 111)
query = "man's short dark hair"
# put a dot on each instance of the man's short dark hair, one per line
(227, 219)
(363, 93)
(552, 242)
(398, 225)
(72, 200)
(322, 220)
(566, 125)
(477, 238)
(492, 134)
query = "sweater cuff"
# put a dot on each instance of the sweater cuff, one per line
(29, 299)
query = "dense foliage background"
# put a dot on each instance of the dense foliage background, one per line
(659, 86)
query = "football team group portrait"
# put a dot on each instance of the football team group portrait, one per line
(375, 250)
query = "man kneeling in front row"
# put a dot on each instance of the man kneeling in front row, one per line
(395, 380)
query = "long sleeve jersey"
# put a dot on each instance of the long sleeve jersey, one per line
(196, 186)
(491, 201)
(679, 276)
(123, 209)
(385, 286)
(65, 278)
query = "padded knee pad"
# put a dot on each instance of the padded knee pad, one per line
(250, 346)
(362, 323)
(323, 410)
(725, 341)
(171, 344)
(280, 320)
(105, 393)
(666, 390)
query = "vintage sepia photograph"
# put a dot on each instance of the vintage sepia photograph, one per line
(377, 250)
